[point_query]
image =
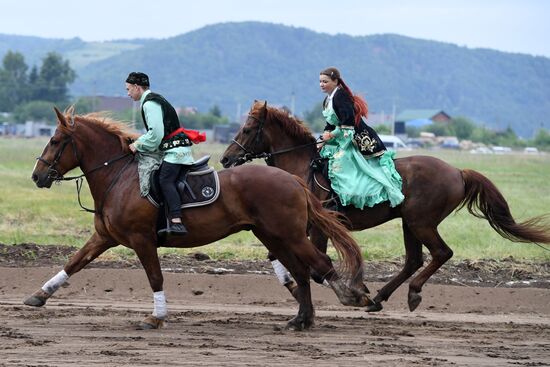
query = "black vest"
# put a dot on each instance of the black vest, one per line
(170, 117)
(365, 138)
(170, 121)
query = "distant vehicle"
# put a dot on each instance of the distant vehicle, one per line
(415, 143)
(530, 150)
(501, 150)
(393, 142)
(450, 143)
(481, 150)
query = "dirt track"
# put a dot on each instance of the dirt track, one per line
(239, 319)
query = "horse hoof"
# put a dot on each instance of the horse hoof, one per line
(38, 299)
(414, 300)
(294, 326)
(374, 307)
(298, 325)
(34, 301)
(151, 323)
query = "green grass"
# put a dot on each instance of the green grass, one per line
(29, 214)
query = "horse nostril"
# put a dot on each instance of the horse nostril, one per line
(34, 177)
(224, 160)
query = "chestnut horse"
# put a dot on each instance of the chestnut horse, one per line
(270, 202)
(432, 188)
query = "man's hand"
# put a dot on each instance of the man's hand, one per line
(132, 148)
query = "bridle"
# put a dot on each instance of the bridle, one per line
(250, 155)
(54, 174)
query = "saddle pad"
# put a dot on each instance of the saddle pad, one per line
(200, 188)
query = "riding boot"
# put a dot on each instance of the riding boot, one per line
(172, 228)
(176, 229)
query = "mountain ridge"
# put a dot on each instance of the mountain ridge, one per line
(231, 64)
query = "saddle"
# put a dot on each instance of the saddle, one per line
(197, 187)
(320, 165)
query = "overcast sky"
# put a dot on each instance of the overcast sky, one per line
(505, 25)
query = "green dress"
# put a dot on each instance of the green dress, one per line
(358, 181)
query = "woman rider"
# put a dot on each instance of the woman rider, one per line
(361, 170)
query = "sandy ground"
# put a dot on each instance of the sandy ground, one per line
(239, 320)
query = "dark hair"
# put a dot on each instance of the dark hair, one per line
(138, 78)
(360, 106)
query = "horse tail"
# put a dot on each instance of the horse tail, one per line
(485, 201)
(329, 222)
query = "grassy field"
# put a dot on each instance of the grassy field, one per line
(29, 214)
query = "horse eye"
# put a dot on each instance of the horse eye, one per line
(246, 130)
(54, 142)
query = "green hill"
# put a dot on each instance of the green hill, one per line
(231, 64)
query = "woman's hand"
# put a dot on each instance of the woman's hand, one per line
(327, 135)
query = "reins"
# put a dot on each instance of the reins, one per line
(250, 156)
(79, 180)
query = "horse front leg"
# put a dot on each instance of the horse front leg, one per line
(94, 247)
(147, 254)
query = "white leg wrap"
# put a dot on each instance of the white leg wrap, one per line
(159, 311)
(54, 283)
(282, 274)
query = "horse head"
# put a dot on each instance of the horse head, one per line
(252, 140)
(270, 133)
(60, 154)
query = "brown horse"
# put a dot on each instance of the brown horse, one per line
(268, 201)
(432, 188)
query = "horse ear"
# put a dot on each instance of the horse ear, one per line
(60, 117)
(70, 112)
(264, 111)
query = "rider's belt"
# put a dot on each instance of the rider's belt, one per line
(174, 140)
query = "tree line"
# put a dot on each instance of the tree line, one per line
(28, 94)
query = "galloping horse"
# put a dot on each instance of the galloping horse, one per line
(432, 188)
(270, 202)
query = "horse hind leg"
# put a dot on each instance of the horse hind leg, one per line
(301, 291)
(413, 262)
(440, 252)
(300, 272)
(322, 265)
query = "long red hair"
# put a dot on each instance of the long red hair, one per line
(360, 106)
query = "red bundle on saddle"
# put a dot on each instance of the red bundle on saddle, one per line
(194, 135)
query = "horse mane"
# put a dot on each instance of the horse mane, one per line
(101, 120)
(295, 127)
